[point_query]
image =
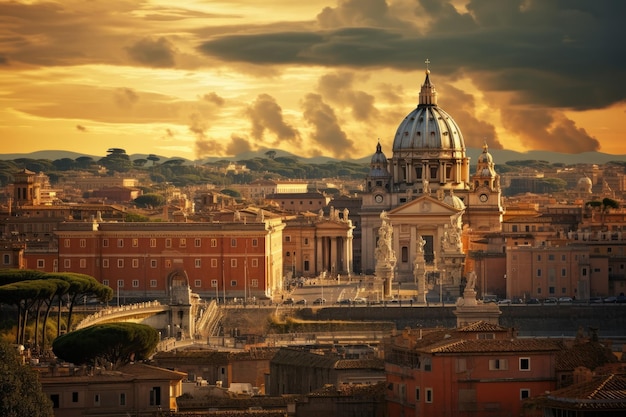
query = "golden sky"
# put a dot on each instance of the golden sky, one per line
(204, 78)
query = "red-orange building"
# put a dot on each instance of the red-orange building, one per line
(241, 258)
(477, 370)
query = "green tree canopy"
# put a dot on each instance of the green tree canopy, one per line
(150, 200)
(115, 343)
(20, 389)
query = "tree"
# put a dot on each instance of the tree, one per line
(150, 200)
(271, 154)
(100, 344)
(152, 157)
(117, 160)
(20, 389)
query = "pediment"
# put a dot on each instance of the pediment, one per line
(424, 205)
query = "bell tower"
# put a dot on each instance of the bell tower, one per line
(485, 206)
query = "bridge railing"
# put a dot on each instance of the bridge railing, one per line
(109, 312)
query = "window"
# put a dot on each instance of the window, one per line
(83, 263)
(197, 263)
(417, 394)
(41, 263)
(255, 243)
(105, 243)
(213, 243)
(254, 263)
(168, 263)
(55, 400)
(287, 238)
(498, 364)
(135, 263)
(120, 263)
(551, 257)
(233, 283)
(153, 263)
(563, 272)
(96, 400)
(214, 283)
(306, 241)
(153, 283)
(197, 242)
(74, 397)
(66, 243)
(182, 243)
(524, 364)
(213, 263)
(135, 283)
(233, 263)
(405, 254)
(524, 393)
(551, 290)
(168, 243)
(153, 243)
(123, 398)
(254, 283)
(538, 257)
(427, 364)
(155, 396)
(538, 272)
(429, 395)
(105, 282)
(120, 243)
(135, 242)
(120, 283)
(233, 243)
(82, 243)
(67, 263)
(197, 283)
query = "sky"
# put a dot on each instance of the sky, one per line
(204, 78)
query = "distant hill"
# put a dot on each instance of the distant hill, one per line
(500, 156)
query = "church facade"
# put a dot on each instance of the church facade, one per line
(431, 199)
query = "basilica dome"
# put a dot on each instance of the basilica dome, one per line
(428, 128)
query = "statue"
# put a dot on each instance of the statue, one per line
(471, 281)
(420, 245)
(426, 187)
(384, 252)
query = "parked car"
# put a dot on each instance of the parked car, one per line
(301, 302)
(621, 299)
(288, 301)
(565, 300)
(595, 300)
(360, 300)
(610, 299)
(344, 301)
(319, 301)
(550, 300)
(533, 301)
(506, 301)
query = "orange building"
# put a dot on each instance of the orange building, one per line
(240, 258)
(478, 370)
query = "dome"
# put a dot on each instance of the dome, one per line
(585, 185)
(378, 164)
(454, 201)
(428, 127)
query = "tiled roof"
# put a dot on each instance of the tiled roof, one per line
(590, 355)
(488, 346)
(286, 356)
(482, 326)
(360, 364)
(603, 392)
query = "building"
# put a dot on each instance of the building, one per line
(133, 389)
(299, 202)
(429, 194)
(239, 258)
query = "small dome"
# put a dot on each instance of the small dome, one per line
(585, 185)
(454, 201)
(485, 157)
(378, 164)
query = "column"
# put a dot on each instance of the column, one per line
(333, 254)
(319, 255)
(348, 254)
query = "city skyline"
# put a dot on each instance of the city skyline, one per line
(196, 79)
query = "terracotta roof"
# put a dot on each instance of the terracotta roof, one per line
(483, 326)
(488, 346)
(606, 392)
(590, 355)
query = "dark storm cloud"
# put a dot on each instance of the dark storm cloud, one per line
(266, 115)
(338, 88)
(208, 147)
(552, 53)
(358, 13)
(158, 53)
(327, 133)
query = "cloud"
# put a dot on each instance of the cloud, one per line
(365, 13)
(213, 98)
(238, 145)
(266, 115)
(125, 98)
(338, 88)
(158, 53)
(548, 130)
(81, 128)
(208, 147)
(327, 133)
